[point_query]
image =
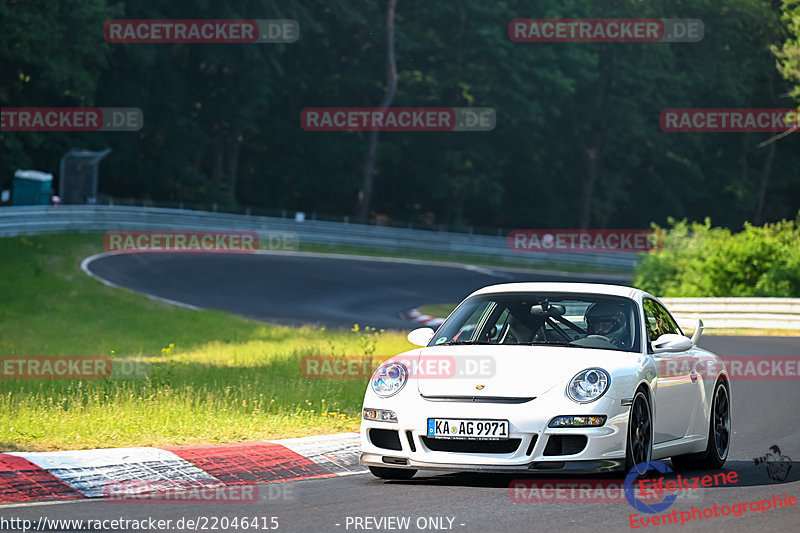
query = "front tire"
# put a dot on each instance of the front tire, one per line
(639, 448)
(392, 473)
(719, 436)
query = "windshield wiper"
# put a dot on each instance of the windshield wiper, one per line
(555, 343)
(453, 343)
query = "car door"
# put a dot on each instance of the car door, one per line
(677, 386)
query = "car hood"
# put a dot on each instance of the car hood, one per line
(505, 371)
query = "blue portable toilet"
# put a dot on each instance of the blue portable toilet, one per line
(32, 187)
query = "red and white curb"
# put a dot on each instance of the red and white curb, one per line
(415, 315)
(30, 476)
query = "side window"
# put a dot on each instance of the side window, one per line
(669, 324)
(658, 321)
(650, 320)
(468, 330)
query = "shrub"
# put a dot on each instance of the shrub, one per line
(699, 260)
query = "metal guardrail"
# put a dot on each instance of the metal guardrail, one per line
(766, 313)
(28, 220)
(771, 313)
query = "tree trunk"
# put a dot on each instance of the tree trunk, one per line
(762, 188)
(219, 158)
(591, 155)
(233, 158)
(368, 176)
(588, 182)
(592, 152)
(744, 166)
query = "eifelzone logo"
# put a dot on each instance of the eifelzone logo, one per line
(778, 465)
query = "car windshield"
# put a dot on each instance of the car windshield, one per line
(572, 320)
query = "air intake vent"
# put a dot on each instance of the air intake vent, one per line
(471, 446)
(395, 461)
(565, 444)
(385, 438)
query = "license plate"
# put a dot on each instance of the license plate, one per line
(465, 428)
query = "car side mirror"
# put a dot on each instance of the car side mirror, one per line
(698, 330)
(672, 342)
(421, 336)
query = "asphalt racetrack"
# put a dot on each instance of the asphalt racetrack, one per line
(300, 288)
(297, 288)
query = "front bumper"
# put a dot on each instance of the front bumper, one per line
(603, 449)
(542, 467)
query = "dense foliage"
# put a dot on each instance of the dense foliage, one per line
(704, 261)
(789, 53)
(577, 140)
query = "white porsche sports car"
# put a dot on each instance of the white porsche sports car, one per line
(549, 378)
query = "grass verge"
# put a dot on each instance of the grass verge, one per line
(437, 310)
(213, 377)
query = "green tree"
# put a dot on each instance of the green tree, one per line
(789, 55)
(52, 56)
(701, 260)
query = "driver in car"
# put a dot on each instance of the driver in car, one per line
(607, 320)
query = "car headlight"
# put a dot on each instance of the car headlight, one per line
(381, 415)
(588, 385)
(389, 379)
(577, 421)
